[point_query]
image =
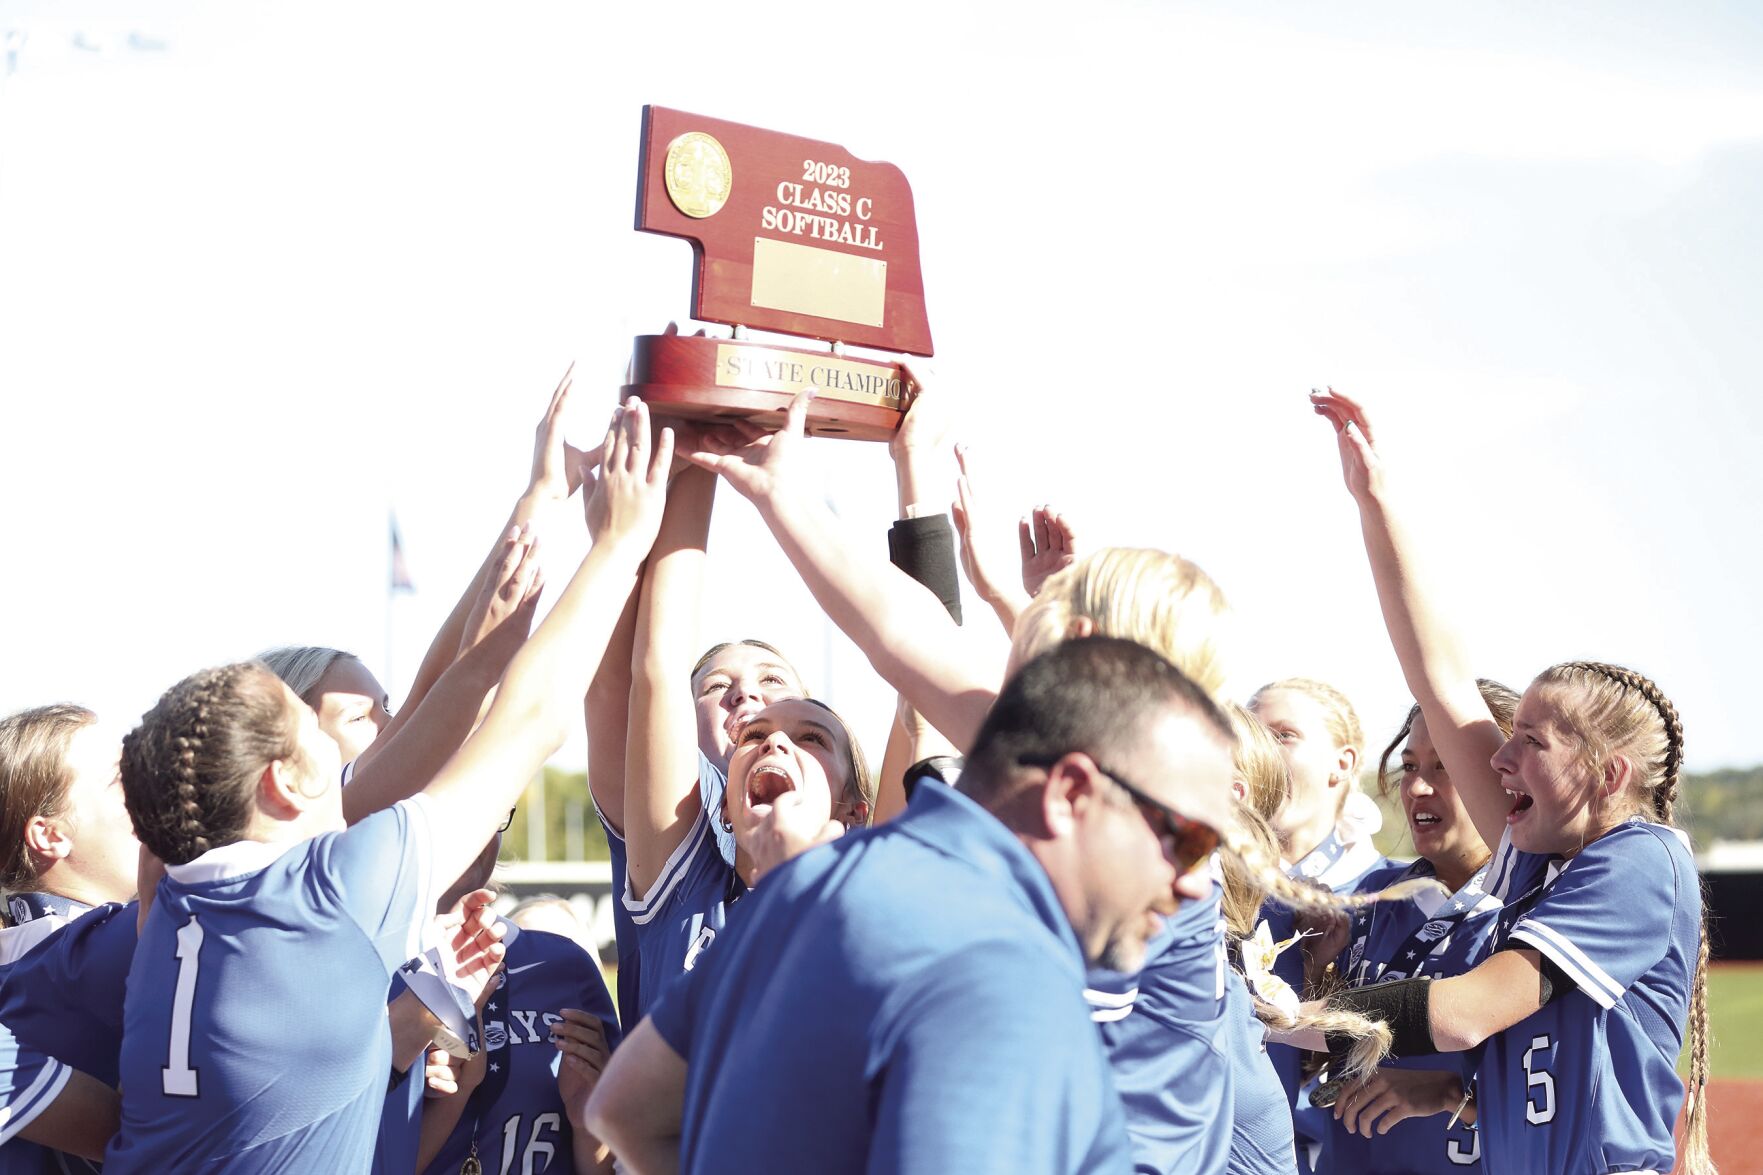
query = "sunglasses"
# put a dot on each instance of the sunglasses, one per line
(508, 823)
(1189, 843)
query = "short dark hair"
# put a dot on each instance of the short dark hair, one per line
(1094, 695)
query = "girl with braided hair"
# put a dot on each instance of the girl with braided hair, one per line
(1163, 1025)
(1599, 954)
(255, 1033)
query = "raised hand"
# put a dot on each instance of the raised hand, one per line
(1360, 465)
(758, 463)
(986, 556)
(557, 464)
(919, 451)
(1048, 544)
(630, 489)
(505, 605)
(581, 1038)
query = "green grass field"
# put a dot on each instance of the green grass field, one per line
(1735, 1019)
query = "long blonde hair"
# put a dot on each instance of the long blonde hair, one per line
(1617, 713)
(1158, 599)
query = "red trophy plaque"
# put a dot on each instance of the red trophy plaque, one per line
(790, 235)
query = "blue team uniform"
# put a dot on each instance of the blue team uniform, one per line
(1432, 936)
(1163, 1029)
(62, 997)
(400, 1131)
(712, 786)
(1261, 1141)
(687, 907)
(624, 931)
(400, 1128)
(255, 1035)
(65, 996)
(1589, 1083)
(1340, 866)
(516, 1116)
(908, 998)
(29, 1082)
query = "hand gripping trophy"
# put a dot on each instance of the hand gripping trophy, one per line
(792, 236)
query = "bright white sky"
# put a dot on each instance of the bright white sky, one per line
(271, 270)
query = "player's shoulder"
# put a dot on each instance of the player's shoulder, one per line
(1638, 848)
(544, 946)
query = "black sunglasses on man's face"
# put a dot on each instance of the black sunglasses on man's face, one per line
(1188, 842)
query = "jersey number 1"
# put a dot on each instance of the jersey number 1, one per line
(179, 1079)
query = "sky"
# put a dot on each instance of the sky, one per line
(272, 272)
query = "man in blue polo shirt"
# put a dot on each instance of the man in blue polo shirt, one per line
(911, 998)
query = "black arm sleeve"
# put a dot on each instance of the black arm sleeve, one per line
(1403, 1004)
(924, 548)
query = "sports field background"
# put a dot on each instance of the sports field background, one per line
(1735, 1098)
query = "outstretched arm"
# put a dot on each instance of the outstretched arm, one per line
(661, 798)
(438, 725)
(903, 629)
(537, 701)
(986, 555)
(1434, 662)
(1045, 544)
(553, 479)
(606, 710)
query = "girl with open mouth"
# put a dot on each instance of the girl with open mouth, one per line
(1598, 958)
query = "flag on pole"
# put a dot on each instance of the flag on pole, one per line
(400, 571)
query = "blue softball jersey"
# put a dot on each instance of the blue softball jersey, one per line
(908, 998)
(254, 1032)
(1163, 1029)
(1428, 935)
(1589, 1083)
(515, 1117)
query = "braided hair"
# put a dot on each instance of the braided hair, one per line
(190, 769)
(1616, 711)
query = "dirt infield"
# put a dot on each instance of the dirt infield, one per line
(1735, 1125)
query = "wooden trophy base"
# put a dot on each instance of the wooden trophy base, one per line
(709, 379)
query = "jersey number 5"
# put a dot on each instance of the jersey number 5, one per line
(1541, 1083)
(178, 1078)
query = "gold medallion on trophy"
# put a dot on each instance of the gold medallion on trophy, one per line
(698, 174)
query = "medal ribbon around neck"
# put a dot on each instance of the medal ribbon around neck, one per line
(495, 1079)
(28, 907)
(1465, 901)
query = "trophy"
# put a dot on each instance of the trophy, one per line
(791, 236)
